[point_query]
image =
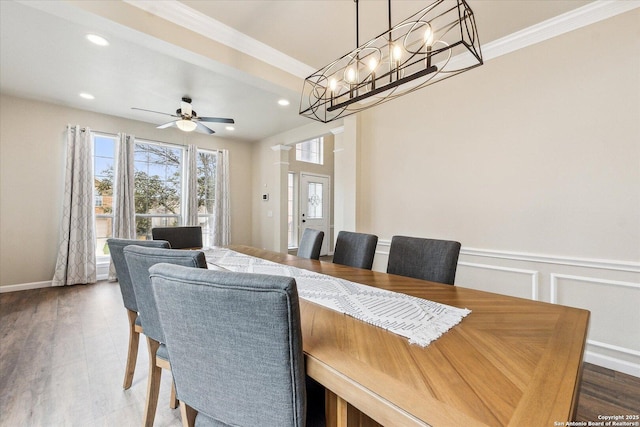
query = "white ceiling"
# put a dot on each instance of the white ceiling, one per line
(152, 63)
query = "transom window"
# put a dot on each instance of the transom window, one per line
(310, 151)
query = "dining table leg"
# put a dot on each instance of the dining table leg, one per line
(335, 410)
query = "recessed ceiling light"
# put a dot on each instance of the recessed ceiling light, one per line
(96, 39)
(230, 128)
(283, 102)
(87, 96)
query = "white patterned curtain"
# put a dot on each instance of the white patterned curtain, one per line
(191, 217)
(76, 261)
(124, 211)
(222, 208)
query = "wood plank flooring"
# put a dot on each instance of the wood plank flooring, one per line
(63, 353)
(62, 360)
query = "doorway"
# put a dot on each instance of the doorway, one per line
(314, 206)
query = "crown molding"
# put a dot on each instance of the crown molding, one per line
(589, 14)
(184, 16)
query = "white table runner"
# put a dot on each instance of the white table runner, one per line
(419, 320)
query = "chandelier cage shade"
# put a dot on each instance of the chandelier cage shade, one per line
(433, 44)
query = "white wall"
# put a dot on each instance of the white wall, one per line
(32, 158)
(532, 162)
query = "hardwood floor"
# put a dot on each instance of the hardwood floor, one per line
(62, 360)
(607, 392)
(63, 353)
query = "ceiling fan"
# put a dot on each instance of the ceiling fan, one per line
(187, 119)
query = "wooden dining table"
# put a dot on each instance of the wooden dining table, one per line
(510, 362)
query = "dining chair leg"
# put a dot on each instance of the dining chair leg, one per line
(188, 415)
(153, 383)
(164, 364)
(173, 400)
(132, 352)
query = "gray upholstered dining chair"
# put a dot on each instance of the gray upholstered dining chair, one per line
(355, 249)
(310, 243)
(427, 259)
(235, 344)
(187, 237)
(116, 249)
(139, 260)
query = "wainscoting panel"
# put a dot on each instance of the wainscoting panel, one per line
(515, 282)
(609, 289)
(614, 306)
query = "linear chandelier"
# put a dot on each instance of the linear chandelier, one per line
(433, 44)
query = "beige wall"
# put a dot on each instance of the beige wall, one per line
(532, 162)
(536, 151)
(32, 157)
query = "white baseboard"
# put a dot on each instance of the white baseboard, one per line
(102, 272)
(25, 286)
(613, 363)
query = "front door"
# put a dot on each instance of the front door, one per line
(315, 206)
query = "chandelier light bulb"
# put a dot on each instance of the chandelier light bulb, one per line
(397, 53)
(351, 75)
(428, 41)
(332, 84)
(373, 63)
(428, 36)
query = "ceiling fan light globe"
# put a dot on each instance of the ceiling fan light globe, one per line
(186, 125)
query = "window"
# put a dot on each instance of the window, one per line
(310, 151)
(206, 164)
(158, 172)
(104, 151)
(315, 191)
(159, 179)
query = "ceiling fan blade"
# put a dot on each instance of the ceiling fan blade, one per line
(202, 128)
(167, 125)
(151, 111)
(216, 120)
